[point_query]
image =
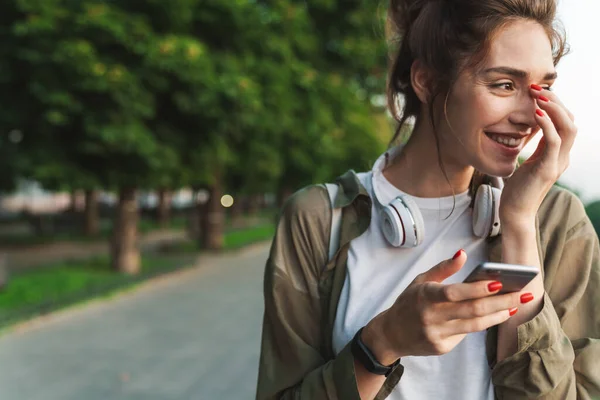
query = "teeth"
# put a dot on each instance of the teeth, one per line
(510, 142)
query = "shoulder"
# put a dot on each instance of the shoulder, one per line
(302, 235)
(311, 201)
(561, 210)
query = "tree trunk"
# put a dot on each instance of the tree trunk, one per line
(125, 253)
(92, 218)
(196, 216)
(213, 224)
(164, 208)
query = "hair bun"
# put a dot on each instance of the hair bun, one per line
(405, 12)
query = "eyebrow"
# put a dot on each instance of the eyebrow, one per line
(517, 73)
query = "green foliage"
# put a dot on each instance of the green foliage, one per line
(593, 212)
(242, 237)
(169, 94)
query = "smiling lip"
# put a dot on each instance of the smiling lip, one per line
(508, 134)
(506, 150)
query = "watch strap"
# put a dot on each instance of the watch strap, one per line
(365, 356)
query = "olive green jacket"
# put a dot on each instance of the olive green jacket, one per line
(558, 353)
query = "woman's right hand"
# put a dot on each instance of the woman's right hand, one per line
(431, 318)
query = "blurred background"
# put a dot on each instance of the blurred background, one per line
(149, 145)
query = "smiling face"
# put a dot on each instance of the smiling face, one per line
(494, 104)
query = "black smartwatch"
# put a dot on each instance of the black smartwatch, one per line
(363, 355)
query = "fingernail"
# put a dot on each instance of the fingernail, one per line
(513, 311)
(495, 286)
(458, 253)
(537, 87)
(543, 98)
(539, 112)
(526, 298)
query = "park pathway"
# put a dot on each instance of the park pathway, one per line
(192, 335)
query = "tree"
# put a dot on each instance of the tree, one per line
(246, 96)
(83, 67)
(593, 212)
(13, 158)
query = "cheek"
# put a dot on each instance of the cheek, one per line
(486, 110)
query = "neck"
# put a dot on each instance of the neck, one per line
(416, 170)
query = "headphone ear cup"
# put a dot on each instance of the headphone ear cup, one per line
(495, 220)
(417, 218)
(482, 211)
(402, 223)
(391, 226)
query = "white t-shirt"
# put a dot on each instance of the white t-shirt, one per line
(378, 273)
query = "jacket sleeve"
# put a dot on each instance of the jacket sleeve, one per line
(558, 354)
(291, 363)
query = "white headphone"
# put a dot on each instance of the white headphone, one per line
(402, 222)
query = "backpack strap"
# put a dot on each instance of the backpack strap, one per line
(336, 220)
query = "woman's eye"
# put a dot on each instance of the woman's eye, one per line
(504, 86)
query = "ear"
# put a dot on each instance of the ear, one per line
(420, 78)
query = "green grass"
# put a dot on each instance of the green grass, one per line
(236, 239)
(147, 225)
(55, 286)
(232, 240)
(52, 283)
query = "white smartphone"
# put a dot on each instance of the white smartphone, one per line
(514, 277)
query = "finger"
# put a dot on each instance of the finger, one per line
(482, 307)
(562, 122)
(444, 270)
(458, 292)
(553, 97)
(463, 326)
(434, 292)
(539, 151)
(552, 139)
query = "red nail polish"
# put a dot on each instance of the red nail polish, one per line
(526, 298)
(495, 286)
(539, 112)
(543, 98)
(458, 253)
(513, 311)
(537, 87)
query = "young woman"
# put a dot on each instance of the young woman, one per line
(389, 315)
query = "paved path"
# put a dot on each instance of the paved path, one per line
(192, 335)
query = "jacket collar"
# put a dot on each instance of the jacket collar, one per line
(351, 189)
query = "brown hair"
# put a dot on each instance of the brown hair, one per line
(448, 36)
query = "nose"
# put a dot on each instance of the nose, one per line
(523, 114)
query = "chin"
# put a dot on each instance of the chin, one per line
(500, 170)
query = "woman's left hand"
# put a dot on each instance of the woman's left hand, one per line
(525, 190)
